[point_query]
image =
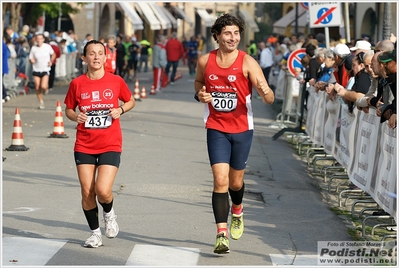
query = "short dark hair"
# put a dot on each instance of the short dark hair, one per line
(310, 49)
(226, 20)
(93, 41)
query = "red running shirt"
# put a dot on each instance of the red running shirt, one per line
(230, 110)
(100, 133)
(110, 63)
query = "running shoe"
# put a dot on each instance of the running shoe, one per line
(222, 245)
(111, 226)
(41, 106)
(236, 226)
(94, 241)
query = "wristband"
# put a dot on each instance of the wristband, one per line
(123, 111)
(196, 97)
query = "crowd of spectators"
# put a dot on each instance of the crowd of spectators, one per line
(132, 56)
(360, 73)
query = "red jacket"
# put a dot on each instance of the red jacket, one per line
(174, 50)
(57, 52)
(110, 63)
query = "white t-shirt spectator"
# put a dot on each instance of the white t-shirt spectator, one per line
(266, 58)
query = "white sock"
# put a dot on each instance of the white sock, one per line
(97, 231)
(110, 213)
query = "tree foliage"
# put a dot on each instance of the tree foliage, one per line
(274, 10)
(265, 30)
(30, 12)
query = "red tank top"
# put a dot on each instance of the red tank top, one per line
(110, 63)
(230, 110)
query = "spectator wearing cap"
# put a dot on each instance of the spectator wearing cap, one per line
(343, 64)
(388, 59)
(377, 72)
(361, 46)
(361, 85)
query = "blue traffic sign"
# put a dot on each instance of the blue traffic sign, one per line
(324, 15)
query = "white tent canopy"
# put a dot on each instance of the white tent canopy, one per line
(288, 22)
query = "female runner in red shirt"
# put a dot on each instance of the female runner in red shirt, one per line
(98, 144)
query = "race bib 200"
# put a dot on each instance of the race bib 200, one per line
(224, 101)
(98, 119)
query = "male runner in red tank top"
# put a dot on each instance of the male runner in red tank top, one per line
(224, 81)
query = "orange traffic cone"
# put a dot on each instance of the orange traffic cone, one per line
(143, 93)
(152, 91)
(136, 93)
(58, 130)
(17, 142)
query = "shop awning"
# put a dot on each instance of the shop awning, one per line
(163, 19)
(180, 14)
(148, 14)
(288, 19)
(248, 20)
(303, 20)
(171, 18)
(132, 15)
(205, 16)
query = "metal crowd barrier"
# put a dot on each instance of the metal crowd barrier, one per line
(359, 155)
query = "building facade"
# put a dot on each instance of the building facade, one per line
(146, 20)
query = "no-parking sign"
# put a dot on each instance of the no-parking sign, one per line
(305, 5)
(324, 14)
(294, 60)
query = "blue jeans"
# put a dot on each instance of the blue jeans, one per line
(192, 63)
(143, 59)
(174, 65)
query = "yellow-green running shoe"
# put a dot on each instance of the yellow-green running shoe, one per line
(236, 226)
(222, 245)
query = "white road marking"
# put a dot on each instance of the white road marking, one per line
(150, 255)
(27, 232)
(299, 260)
(21, 210)
(29, 251)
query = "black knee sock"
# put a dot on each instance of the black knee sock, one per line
(92, 218)
(236, 196)
(220, 205)
(107, 207)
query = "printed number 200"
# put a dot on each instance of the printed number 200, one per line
(224, 104)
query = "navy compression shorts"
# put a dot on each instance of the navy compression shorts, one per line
(232, 149)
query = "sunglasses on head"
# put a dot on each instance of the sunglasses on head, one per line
(360, 56)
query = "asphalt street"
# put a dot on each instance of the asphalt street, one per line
(162, 191)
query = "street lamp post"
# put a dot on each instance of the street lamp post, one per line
(59, 16)
(386, 25)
